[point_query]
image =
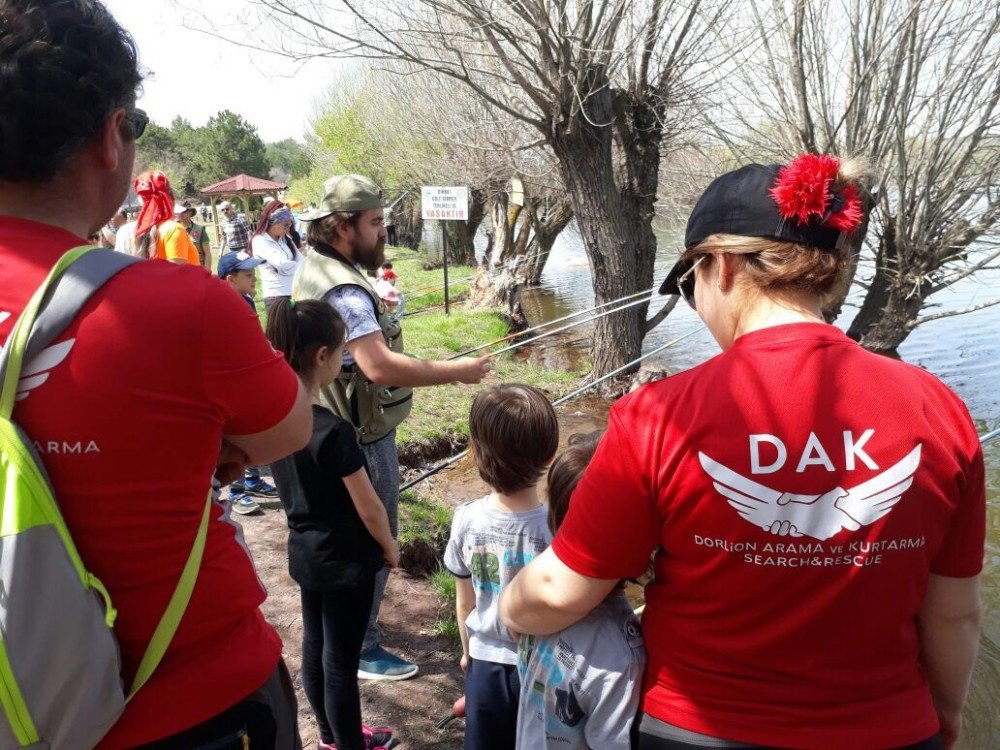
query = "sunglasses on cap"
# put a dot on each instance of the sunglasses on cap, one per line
(685, 283)
(137, 121)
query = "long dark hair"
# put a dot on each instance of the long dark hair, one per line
(299, 329)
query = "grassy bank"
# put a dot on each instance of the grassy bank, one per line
(441, 413)
(424, 527)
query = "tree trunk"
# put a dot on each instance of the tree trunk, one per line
(893, 301)
(897, 316)
(547, 226)
(408, 222)
(462, 242)
(835, 305)
(520, 250)
(615, 220)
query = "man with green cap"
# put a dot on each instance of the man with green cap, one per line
(347, 235)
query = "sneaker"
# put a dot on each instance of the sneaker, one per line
(379, 664)
(377, 736)
(377, 739)
(244, 505)
(260, 488)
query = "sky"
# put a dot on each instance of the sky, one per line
(195, 75)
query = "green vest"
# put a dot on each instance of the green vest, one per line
(374, 410)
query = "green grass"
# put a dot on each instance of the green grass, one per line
(443, 583)
(443, 411)
(421, 519)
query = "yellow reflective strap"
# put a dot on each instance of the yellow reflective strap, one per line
(171, 619)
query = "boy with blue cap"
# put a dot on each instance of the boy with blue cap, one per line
(239, 270)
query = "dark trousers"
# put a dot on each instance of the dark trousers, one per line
(267, 718)
(333, 627)
(492, 692)
(390, 235)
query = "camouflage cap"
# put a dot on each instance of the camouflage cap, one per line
(348, 193)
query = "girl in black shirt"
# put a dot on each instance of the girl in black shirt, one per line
(339, 535)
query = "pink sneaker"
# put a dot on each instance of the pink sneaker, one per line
(376, 738)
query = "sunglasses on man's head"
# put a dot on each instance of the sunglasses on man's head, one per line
(685, 283)
(137, 121)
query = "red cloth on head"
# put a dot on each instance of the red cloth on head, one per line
(157, 200)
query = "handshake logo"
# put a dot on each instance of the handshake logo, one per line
(817, 516)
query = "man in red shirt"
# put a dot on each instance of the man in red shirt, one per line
(817, 510)
(135, 404)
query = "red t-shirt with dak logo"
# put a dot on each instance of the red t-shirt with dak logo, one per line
(870, 472)
(127, 409)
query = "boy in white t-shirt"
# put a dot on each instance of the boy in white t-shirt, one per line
(514, 435)
(580, 686)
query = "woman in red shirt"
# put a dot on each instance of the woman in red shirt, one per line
(817, 511)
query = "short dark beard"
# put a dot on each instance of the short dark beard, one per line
(369, 258)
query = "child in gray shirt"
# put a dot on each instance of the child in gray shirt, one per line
(580, 687)
(514, 435)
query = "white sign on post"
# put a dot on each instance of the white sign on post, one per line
(444, 203)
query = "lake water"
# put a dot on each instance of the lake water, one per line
(963, 351)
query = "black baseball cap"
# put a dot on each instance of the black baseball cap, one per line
(741, 203)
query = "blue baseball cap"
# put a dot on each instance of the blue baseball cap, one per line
(241, 261)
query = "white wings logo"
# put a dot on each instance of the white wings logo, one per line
(37, 370)
(817, 516)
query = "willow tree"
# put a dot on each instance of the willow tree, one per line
(599, 82)
(913, 86)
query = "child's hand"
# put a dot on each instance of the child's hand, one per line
(391, 555)
(464, 662)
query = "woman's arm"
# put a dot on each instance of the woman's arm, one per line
(465, 602)
(277, 260)
(948, 627)
(372, 513)
(548, 596)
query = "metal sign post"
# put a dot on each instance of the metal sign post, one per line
(444, 204)
(444, 255)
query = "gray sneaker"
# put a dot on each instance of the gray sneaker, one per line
(244, 505)
(379, 664)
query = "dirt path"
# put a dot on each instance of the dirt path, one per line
(409, 613)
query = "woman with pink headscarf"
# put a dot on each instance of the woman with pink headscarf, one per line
(272, 243)
(157, 235)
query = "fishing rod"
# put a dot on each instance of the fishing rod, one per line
(571, 395)
(548, 323)
(624, 367)
(989, 437)
(554, 331)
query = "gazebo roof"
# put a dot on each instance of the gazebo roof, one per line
(243, 184)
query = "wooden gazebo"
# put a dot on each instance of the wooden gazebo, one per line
(241, 187)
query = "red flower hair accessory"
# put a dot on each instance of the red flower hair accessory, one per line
(804, 194)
